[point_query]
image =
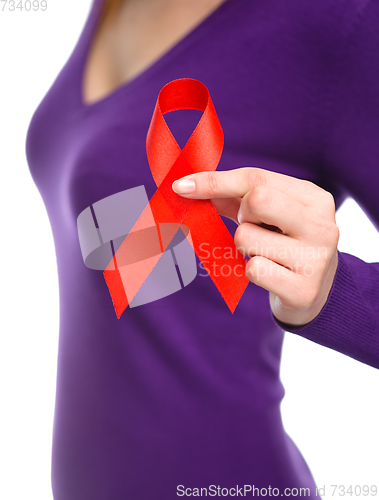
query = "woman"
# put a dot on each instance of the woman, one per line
(179, 397)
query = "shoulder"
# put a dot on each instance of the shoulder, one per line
(322, 24)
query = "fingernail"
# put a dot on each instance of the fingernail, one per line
(184, 186)
(239, 216)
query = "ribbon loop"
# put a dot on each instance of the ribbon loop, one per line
(203, 149)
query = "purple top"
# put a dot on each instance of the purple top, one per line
(180, 391)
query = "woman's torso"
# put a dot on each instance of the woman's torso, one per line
(178, 391)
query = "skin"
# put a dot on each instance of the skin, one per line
(132, 35)
(288, 228)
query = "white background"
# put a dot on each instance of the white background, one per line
(331, 407)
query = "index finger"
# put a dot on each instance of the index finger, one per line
(236, 183)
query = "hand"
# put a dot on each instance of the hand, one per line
(288, 228)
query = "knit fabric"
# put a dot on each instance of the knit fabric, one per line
(180, 392)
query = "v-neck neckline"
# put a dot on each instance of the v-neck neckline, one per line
(126, 87)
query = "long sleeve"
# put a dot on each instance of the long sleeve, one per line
(349, 320)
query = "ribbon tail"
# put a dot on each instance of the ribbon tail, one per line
(215, 247)
(126, 272)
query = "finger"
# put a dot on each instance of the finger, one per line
(252, 240)
(275, 278)
(236, 183)
(266, 204)
(228, 207)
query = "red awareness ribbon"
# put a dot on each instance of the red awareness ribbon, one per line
(168, 163)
